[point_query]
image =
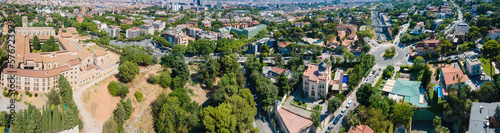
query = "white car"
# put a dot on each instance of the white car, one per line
(342, 112)
(349, 104)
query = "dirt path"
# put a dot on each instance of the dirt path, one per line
(89, 124)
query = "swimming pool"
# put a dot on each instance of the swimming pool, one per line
(344, 80)
(440, 91)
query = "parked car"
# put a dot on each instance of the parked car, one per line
(337, 119)
(349, 104)
(342, 112)
(329, 129)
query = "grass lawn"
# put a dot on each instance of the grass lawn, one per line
(297, 102)
(486, 66)
(317, 108)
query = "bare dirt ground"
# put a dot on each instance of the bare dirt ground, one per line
(200, 93)
(38, 102)
(433, 68)
(99, 102)
(142, 117)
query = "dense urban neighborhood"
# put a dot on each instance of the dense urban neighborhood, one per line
(261, 66)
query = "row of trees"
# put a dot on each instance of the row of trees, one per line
(366, 62)
(52, 118)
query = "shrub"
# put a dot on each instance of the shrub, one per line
(80, 124)
(36, 95)
(31, 95)
(138, 96)
(6, 93)
(27, 92)
(152, 79)
(117, 89)
(191, 63)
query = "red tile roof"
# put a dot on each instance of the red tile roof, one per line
(292, 121)
(278, 70)
(451, 75)
(361, 129)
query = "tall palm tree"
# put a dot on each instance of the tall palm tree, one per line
(362, 112)
(352, 119)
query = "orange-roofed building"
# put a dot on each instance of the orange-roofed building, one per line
(282, 47)
(361, 129)
(316, 78)
(450, 77)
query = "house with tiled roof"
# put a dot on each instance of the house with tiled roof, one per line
(407, 91)
(494, 33)
(430, 45)
(282, 47)
(316, 78)
(450, 77)
(275, 72)
(361, 129)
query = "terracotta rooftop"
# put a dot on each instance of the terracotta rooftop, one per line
(451, 75)
(313, 74)
(100, 53)
(35, 73)
(361, 129)
(284, 44)
(278, 70)
(292, 121)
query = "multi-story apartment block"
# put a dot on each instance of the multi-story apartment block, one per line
(132, 32)
(113, 31)
(473, 65)
(316, 78)
(159, 25)
(176, 37)
(430, 45)
(147, 29)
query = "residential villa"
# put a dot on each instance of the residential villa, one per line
(473, 65)
(430, 45)
(450, 77)
(317, 78)
(361, 129)
(406, 91)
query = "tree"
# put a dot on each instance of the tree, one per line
(352, 119)
(377, 120)
(488, 92)
(36, 43)
(437, 73)
(50, 45)
(419, 64)
(283, 84)
(180, 49)
(349, 56)
(426, 76)
(264, 50)
(278, 60)
(218, 119)
(53, 96)
(110, 126)
(315, 116)
(402, 113)
(445, 48)
(143, 59)
(491, 50)
(438, 127)
(363, 94)
(128, 70)
(4, 118)
(164, 42)
(333, 104)
(484, 31)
